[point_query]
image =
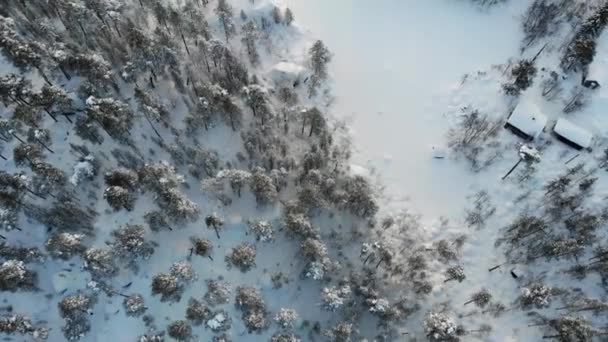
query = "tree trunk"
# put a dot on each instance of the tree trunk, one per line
(67, 116)
(232, 122)
(67, 76)
(185, 44)
(206, 60)
(17, 137)
(46, 79)
(50, 114)
(512, 169)
(115, 26)
(44, 145)
(86, 37)
(153, 128)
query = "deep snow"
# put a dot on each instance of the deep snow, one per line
(394, 68)
(402, 70)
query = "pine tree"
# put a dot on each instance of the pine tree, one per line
(250, 36)
(288, 16)
(276, 15)
(319, 58)
(225, 15)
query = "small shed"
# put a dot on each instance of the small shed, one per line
(526, 121)
(284, 73)
(572, 135)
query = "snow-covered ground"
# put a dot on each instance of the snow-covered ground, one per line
(395, 66)
(399, 79)
(402, 71)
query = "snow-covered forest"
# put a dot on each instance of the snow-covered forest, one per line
(290, 170)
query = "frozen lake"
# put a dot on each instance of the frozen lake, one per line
(395, 64)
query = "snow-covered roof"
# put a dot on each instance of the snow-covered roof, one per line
(287, 72)
(528, 119)
(573, 133)
(289, 68)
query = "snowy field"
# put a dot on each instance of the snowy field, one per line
(206, 171)
(400, 80)
(394, 78)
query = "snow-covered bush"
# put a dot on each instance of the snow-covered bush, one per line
(75, 309)
(250, 302)
(123, 178)
(218, 292)
(377, 305)
(480, 298)
(119, 198)
(340, 332)
(202, 163)
(180, 330)
(571, 329)
(214, 221)
(183, 271)
(262, 230)
(455, 273)
(152, 336)
(84, 169)
(299, 226)
(114, 116)
(471, 136)
(14, 276)
(8, 219)
(134, 305)
(439, 326)
(202, 247)
(100, 262)
(522, 74)
(159, 176)
(314, 249)
(219, 321)
(334, 298)
(177, 206)
(236, 179)
(167, 286)
(242, 256)
(47, 178)
(68, 215)
(286, 318)
(537, 295)
(65, 245)
(284, 337)
(22, 325)
(27, 154)
(317, 269)
(129, 243)
(16, 252)
(157, 221)
(487, 3)
(170, 286)
(197, 312)
(262, 187)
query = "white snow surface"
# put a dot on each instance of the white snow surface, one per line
(397, 83)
